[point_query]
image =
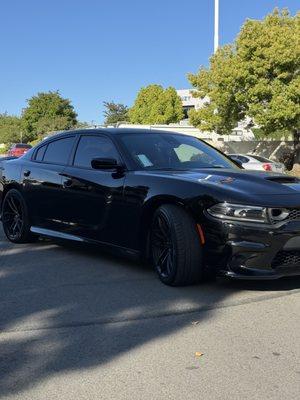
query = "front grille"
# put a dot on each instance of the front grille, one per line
(294, 215)
(286, 258)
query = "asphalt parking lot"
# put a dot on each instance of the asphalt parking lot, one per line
(78, 324)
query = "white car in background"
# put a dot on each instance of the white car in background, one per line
(254, 162)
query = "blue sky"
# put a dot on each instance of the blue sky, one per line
(96, 50)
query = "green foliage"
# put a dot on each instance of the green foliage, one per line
(82, 125)
(10, 129)
(155, 105)
(260, 134)
(47, 112)
(115, 112)
(258, 75)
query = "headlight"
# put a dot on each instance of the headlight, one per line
(238, 212)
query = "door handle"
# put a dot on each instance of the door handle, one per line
(26, 172)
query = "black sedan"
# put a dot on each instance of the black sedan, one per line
(166, 197)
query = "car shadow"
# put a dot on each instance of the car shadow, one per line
(73, 308)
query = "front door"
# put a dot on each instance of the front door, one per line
(93, 201)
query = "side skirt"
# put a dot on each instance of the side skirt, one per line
(66, 236)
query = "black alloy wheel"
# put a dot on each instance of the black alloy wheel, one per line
(175, 246)
(15, 218)
(163, 251)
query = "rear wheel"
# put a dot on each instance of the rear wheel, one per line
(15, 218)
(175, 246)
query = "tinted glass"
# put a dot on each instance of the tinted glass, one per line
(259, 158)
(91, 147)
(40, 153)
(243, 159)
(166, 150)
(58, 152)
(22, 146)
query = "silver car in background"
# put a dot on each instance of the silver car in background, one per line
(254, 162)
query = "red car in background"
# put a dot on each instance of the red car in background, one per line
(18, 149)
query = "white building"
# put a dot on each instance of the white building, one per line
(189, 102)
(241, 132)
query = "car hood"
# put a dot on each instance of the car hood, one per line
(241, 181)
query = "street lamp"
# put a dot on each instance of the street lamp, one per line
(216, 33)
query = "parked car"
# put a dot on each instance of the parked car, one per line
(165, 197)
(18, 149)
(254, 162)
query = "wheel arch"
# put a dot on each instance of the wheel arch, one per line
(8, 187)
(148, 211)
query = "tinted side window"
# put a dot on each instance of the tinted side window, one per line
(90, 147)
(40, 153)
(243, 159)
(58, 151)
(23, 146)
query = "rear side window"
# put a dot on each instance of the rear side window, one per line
(243, 159)
(259, 158)
(40, 153)
(58, 151)
(91, 147)
(22, 146)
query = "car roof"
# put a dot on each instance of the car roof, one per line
(114, 131)
(239, 154)
(109, 131)
(243, 155)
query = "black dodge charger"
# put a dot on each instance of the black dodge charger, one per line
(168, 198)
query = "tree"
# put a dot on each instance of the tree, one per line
(47, 112)
(10, 129)
(115, 112)
(82, 125)
(155, 105)
(258, 76)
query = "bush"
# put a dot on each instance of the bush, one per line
(3, 150)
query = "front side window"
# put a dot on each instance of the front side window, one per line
(91, 147)
(58, 151)
(171, 151)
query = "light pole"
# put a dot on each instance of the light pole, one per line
(216, 33)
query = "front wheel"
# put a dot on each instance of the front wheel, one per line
(15, 218)
(175, 246)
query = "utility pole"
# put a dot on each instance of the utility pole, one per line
(216, 34)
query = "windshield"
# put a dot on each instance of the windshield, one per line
(172, 151)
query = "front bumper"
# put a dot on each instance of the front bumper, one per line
(253, 252)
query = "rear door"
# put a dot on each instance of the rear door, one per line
(42, 181)
(93, 199)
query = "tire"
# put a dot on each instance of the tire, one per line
(15, 218)
(175, 247)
